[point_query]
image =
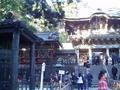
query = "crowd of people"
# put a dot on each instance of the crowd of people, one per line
(82, 81)
(105, 59)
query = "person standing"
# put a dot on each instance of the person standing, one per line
(80, 81)
(114, 72)
(89, 79)
(106, 60)
(114, 59)
(102, 83)
(73, 80)
(85, 81)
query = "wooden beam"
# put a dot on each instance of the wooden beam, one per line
(6, 30)
(32, 67)
(28, 37)
(15, 58)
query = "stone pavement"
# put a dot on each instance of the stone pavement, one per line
(96, 89)
(93, 89)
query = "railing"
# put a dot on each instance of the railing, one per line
(23, 85)
(115, 85)
(46, 86)
(110, 81)
(66, 87)
(108, 75)
(49, 86)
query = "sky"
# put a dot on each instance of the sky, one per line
(88, 7)
(111, 7)
(103, 4)
(97, 3)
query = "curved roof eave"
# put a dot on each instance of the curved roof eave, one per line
(8, 25)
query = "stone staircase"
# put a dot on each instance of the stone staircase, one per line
(95, 69)
(109, 67)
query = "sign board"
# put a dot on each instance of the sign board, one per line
(43, 66)
(61, 72)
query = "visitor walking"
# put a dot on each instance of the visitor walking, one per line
(89, 79)
(102, 84)
(85, 81)
(114, 72)
(80, 81)
(106, 60)
(73, 80)
(114, 59)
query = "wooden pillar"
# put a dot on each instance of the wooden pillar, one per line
(79, 60)
(15, 58)
(77, 53)
(90, 55)
(32, 67)
(119, 52)
(107, 52)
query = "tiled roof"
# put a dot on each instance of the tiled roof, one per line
(48, 36)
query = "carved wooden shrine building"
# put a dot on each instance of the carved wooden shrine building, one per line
(98, 34)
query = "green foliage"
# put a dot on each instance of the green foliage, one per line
(35, 9)
(16, 6)
(63, 37)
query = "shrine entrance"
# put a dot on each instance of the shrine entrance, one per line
(84, 56)
(114, 50)
(98, 56)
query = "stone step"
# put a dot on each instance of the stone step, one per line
(95, 69)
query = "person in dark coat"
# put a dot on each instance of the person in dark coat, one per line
(106, 60)
(114, 72)
(85, 84)
(73, 80)
(114, 59)
(89, 79)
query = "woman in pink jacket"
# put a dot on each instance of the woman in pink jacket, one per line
(102, 84)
